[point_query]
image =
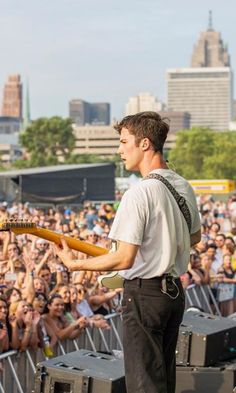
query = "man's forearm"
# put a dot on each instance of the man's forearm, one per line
(111, 261)
(121, 259)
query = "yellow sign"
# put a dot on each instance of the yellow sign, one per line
(222, 186)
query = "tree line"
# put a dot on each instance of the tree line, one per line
(199, 153)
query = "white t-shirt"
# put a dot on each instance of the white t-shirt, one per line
(150, 217)
(84, 308)
(218, 261)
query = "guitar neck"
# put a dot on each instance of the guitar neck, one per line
(75, 244)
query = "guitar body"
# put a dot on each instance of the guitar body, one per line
(111, 280)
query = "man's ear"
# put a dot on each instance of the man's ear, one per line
(145, 144)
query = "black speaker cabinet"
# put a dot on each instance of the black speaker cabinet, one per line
(219, 379)
(205, 339)
(81, 372)
(183, 346)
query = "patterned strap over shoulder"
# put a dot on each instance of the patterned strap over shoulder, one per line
(179, 199)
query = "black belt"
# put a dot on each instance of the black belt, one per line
(140, 281)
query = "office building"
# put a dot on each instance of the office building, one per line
(177, 120)
(10, 149)
(9, 125)
(94, 139)
(79, 112)
(12, 97)
(100, 113)
(142, 102)
(82, 112)
(104, 140)
(205, 93)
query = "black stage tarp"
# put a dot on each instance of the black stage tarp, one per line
(60, 184)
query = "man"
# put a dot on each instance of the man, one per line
(153, 240)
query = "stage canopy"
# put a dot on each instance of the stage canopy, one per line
(70, 184)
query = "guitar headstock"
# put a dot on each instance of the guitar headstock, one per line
(7, 225)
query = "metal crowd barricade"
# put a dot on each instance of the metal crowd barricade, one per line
(201, 296)
(98, 340)
(18, 371)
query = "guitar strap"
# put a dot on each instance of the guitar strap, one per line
(180, 200)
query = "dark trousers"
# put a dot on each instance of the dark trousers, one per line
(151, 322)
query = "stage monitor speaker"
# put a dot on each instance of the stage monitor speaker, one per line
(81, 372)
(183, 346)
(205, 339)
(219, 379)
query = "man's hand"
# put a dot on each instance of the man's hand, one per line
(65, 254)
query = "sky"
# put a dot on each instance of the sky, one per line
(103, 50)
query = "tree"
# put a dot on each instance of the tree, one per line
(222, 164)
(201, 153)
(47, 139)
(192, 146)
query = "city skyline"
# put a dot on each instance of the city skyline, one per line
(102, 51)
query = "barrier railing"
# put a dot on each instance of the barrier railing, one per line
(18, 369)
(201, 296)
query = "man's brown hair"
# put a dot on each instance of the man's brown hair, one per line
(146, 125)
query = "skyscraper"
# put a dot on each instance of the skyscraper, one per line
(143, 102)
(12, 97)
(205, 93)
(82, 112)
(79, 112)
(210, 51)
(100, 113)
(205, 90)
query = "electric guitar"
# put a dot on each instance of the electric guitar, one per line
(19, 227)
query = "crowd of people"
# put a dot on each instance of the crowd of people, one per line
(41, 302)
(213, 259)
